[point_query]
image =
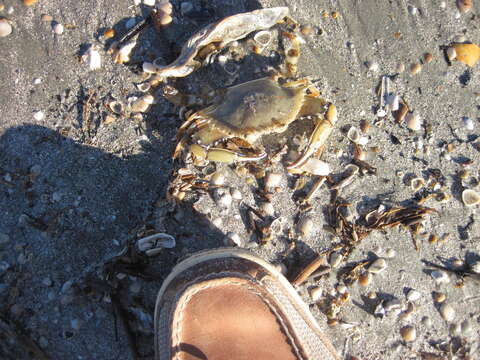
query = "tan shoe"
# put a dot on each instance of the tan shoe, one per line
(231, 304)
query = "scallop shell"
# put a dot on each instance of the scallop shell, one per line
(468, 54)
(154, 244)
(470, 197)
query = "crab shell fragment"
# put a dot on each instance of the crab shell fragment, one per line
(217, 36)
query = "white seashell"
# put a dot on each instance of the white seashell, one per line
(470, 197)
(37, 81)
(39, 115)
(148, 67)
(272, 180)
(412, 10)
(58, 29)
(316, 293)
(377, 266)
(413, 295)
(316, 167)
(267, 208)
(353, 135)
(5, 28)
(440, 276)
(92, 58)
(393, 102)
(263, 38)
(390, 253)
(468, 123)
(116, 107)
(451, 53)
(416, 184)
(372, 66)
(122, 55)
(137, 2)
(233, 239)
(217, 179)
(413, 121)
(335, 259)
(305, 226)
(363, 140)
(447, 312)
(236, 194)
(149, 2)
(153, 244)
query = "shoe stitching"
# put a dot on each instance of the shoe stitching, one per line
(178, 327)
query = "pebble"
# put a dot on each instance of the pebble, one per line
(316, 293)
(4, 238)
(377, 266)
(440, 276)
(365, 279)
(412, 10)
(466, 327)
(447, 312)
(335, 259)
(439, 297)
(58, 29)
(390, 253)
(413, 295)
(272, 180)
(47, 281)
(5, 28)
(408, 333)
(217, 179)
(236, 194)
(468, 123)
(305, 226)
(37, 81)
(39, 115)
(233, 239)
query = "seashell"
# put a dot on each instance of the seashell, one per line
(316, 167)
(412, 10)
(470, 197)
(416, 184)
(39, 115)
(468, 123)
(217, 179)
(305, 226)
(413, 295)
(447, 312)
(116, 107)
(413, 121)
(46, 17)
(263, 38)
(233, 239)
(335, 259)
(316, 293)
(122, 55)
(372, 66)
(92, 58)
(364, 126)
(272, 180)
(153, 244)
(427, 57)
(306, 30)
(439, 297)
(468, 54)
(29, 2)
(149, 2)
(230, 68)
(143, 87)
(451, 53)
(377, 266)
(415, 68)
(58, 29)
(142, 104)
(365, 279)
(408, 333)
(236, 194)
(165, 7)
(353, 135)
(5, 28)
(464, 6)
(440, 276)
(109, 33)
(400, 68)
(148, 67)
(267, 208)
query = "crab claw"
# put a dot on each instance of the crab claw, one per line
(223, 155)
(318, 137)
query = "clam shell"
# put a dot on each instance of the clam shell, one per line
(5, 28)
(92, 58)
(122, 55)
(316, 167)
(413, 121)
(353, 135)
(153, 244)
(470, 197)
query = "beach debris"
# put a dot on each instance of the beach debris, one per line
(58, 28)
(109, 33)
(5, 27)
(470, 197)
(414, 122)
(154, 244)
(233, 239)
(272, 180)
(162, 16)
(115, 107)
(384, 90)
(365, 278)
(417, 183)
(39, 115)
(427, 57)
(316, 293)
(262, 40)
(142, 104)
(122, 54)
(439, 297)
(469, 54)
(29, 2)
(92, 58)
(350, 173)
(415, 68)
(305, 226)
(316, 268)
(464, 6)
(230, 29)
(377, 266)
(408, 333)
(315, 166)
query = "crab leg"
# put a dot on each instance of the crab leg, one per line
(318, 137)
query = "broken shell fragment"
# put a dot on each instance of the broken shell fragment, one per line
(116, 107)
(468, 54)
(92, 58)
(377, 266)
(393, 101)
(228, 30)
(142, 104)
(470, 197)
(416, 184)
(5, 28)
(408, 333)
(447, 312)
(464, 5)
(58, 29)
(451, 53)
(29, 2)
(153, 244)
(413, 121)
(353, 135)
(122, 55)
(305, 226)
(415, 68)
(315, 167)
